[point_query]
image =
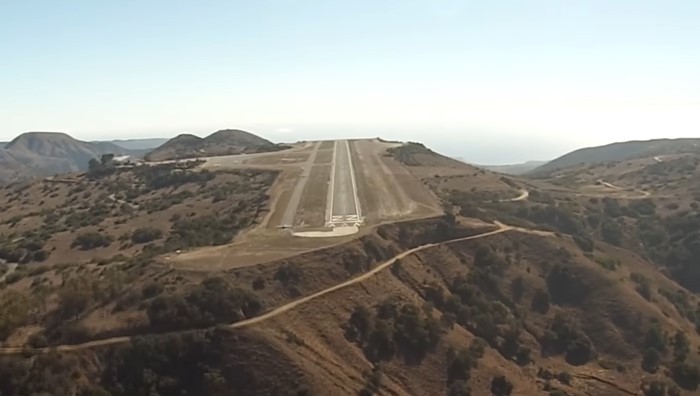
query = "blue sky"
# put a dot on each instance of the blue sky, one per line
(487, 81)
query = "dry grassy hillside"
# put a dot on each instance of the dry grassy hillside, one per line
(126, 211)
(443, 174)
(621, 151)
(587, 290)
(79, 253)
(514, 313)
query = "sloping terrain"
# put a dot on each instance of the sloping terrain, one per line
(522, 287)
(446, 176)
(102, 231)
(514, 169)
(223, 142)
(513, 313)
(619, 152)
(36, 154)
(52, 213)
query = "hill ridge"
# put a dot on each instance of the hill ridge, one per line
(221, 142)
(37, 154)
(619, 151)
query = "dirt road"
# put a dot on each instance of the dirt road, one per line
(524, 194)
(644, 194)
(277, 311)
(363, 277)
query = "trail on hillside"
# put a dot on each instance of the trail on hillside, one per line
(644, 194)
(279, 310)
(10, 269)
(523, 196)
(365, 276)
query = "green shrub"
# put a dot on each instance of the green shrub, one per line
(91, 240)
(167, 201)
(146, 235)
(655, 338)
(612, 233)
(565, 337)
(651, 360)
(681, 346)
(40, 255)
(643, 285)
(213, 301)
(686, 375)
(403, 328)
(406, 152)
(608, 263)
(459, 388)
(91, 217)
(171, 175)
(151, 289)
(14, 312)
(645, 207)
(585, 243)
(500, 386)
(565, 286)
(564, 377)
(540, 301)
(203, 231)
(258, 283)
(288, 274)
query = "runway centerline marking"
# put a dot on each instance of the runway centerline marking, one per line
(345, 218)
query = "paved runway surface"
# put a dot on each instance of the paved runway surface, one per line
(343, 206)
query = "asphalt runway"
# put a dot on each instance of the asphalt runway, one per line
(343, 205)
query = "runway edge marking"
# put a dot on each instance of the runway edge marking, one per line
(358, 211)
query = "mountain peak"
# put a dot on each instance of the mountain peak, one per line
(221, 142)
(30, 138)
(47, 153)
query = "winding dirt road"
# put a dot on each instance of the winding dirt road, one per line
(644, 194)
(524, 194)
(277, 311)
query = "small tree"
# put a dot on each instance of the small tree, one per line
(651, 360)
(500, 386)
(146, 234)
(686, 375)
(107, 160)
(540, 301)
(94, 165)
(681, 346)
(459, 388)
(91, 240)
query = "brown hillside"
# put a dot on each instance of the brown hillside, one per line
(616, 152)
(585, 291)
(482, 289)
(36, 154)
(223, 142)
